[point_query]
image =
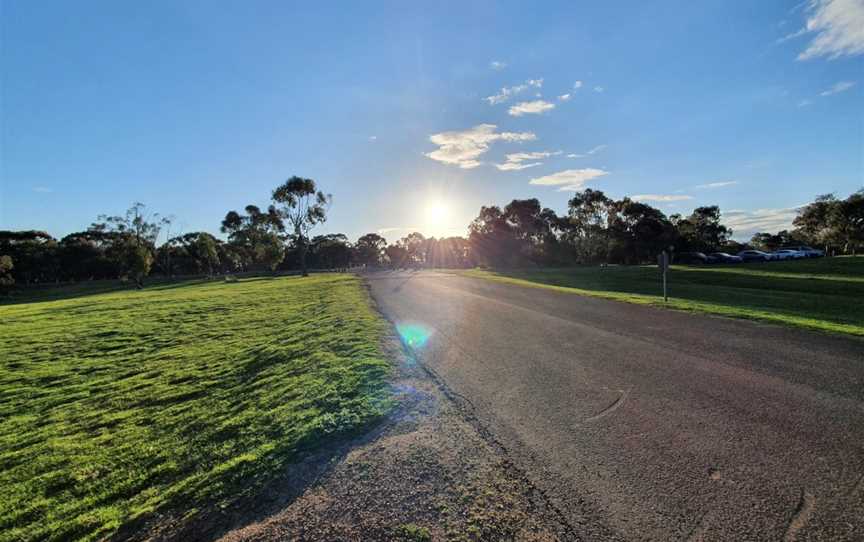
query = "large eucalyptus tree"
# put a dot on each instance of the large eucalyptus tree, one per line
(302, 206)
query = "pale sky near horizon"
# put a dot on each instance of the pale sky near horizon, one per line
(413, 117)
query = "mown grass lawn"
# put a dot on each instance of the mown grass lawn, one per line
(176, 398)
(825, 294)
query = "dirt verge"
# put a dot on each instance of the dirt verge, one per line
(428, 473)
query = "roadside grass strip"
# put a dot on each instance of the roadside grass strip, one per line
(824, 294)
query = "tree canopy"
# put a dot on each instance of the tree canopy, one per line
(594, 229)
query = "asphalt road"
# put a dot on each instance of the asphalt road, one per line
(644, 424)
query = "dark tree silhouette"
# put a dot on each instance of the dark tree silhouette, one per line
(257, 234)
(134, 239)
(639, 232)
(589, 214)
(595, 229)
(494, 242)
(6, 278)
(369, 249)
(702, 230)
(302, 206)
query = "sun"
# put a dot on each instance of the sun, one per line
(437, 217)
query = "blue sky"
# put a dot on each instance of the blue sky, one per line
(398, 110)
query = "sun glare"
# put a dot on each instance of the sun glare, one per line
(437, 217)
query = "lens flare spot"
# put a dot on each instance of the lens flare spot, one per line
(413, 335)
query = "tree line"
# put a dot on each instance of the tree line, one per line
(595, 229)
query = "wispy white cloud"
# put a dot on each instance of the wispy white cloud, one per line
(591, 152)
(43, 189)
(838, 28)
(569, 179)
(837, 88)
(408, 229)
(530, 108)
(804, 103)
(661, 197)
(373, 138)
(516, 166)
(745, 223)
(798, 7)
(463, 148)
(497, 65)
(792, 36)
(520, 160)
(506, 93)
(577, 85)
(565, 97)
(719, 184)
(599, 89)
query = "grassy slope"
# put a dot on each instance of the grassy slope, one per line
(825, 294)
(116, 405)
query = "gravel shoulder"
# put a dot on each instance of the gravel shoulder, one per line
(430, 472)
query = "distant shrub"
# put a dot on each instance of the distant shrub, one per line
(230, 278)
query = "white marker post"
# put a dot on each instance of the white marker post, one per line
(663, 263)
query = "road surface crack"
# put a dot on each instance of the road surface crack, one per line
(802, 515)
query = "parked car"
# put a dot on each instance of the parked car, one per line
(722, 257)
(809, 252)
(691, 258)
(788, 254)
(754, 256)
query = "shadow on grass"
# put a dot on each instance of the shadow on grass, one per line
(45, 293)
(256, 503)
(54, 292)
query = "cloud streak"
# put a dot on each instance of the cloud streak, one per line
(837, 88)
(591, 152)
(383, 231)
(661, 197)
(463, 148)
(535, 107)
(746, 223)
(710, 186)
(837, 27)
(521, 160)
(569, 179)
(507, 93)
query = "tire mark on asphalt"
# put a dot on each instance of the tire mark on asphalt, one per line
(615, 405)
(802, 515)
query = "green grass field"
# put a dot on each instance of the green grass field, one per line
(176, 398)
(825, 294)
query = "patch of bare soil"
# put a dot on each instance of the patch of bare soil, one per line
(426, 474)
